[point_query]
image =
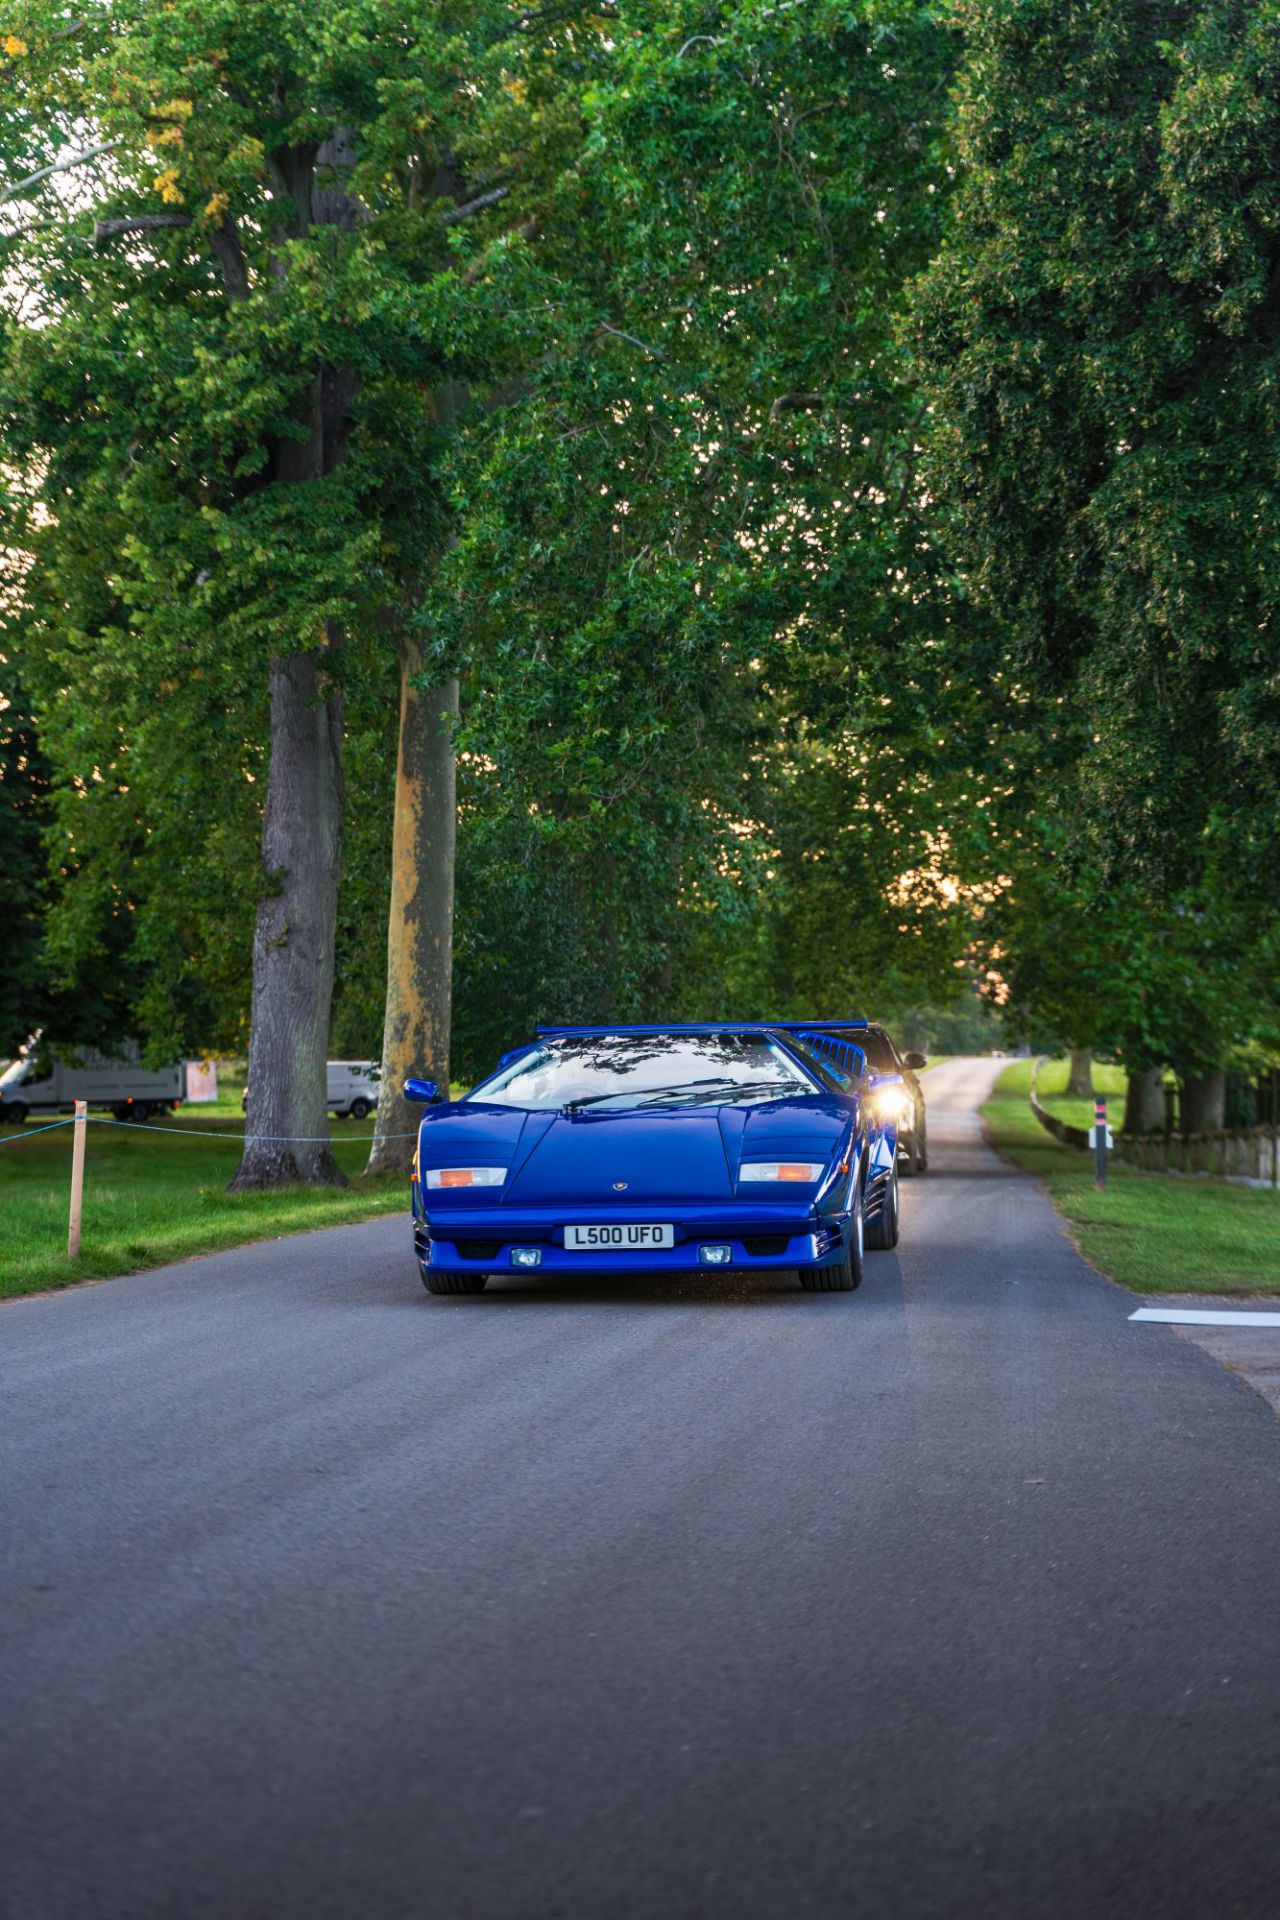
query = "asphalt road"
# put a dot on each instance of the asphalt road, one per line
(957, 1596)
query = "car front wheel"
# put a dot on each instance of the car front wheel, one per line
(846, 1275)
(882, 1232)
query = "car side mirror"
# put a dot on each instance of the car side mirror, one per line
(915, 1061)
(424, 1092)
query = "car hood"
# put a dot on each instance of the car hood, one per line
(626, 1158)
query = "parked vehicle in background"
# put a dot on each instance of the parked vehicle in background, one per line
(884, 1057)
(351, 1090)
(40, 1081)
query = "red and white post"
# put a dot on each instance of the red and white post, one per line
(1101, 1140)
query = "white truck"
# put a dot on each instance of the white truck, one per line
(351, 1091)
(40, 1082)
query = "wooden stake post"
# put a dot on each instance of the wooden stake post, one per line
(78, 1133)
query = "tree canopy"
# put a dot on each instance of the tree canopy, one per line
(832, 449)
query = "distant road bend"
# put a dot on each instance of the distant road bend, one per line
(630, 1601)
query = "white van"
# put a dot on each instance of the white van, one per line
(351, 1090)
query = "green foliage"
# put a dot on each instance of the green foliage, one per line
(703, 621)
(168, 307)
(1102, 333)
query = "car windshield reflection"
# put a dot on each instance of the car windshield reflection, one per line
(577, 1073)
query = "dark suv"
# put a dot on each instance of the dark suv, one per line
(883, 1057)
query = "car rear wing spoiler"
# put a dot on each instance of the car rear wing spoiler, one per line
(807, 1029)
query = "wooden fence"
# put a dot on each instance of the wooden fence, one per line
(1240, 1153)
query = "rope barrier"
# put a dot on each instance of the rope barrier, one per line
(31, 1132)
(208, 1133)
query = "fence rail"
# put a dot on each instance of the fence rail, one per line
(1233, 1153)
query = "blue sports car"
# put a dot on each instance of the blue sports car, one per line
(639, 1150)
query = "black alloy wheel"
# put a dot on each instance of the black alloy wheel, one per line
(909, 1157)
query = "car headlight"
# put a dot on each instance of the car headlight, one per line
(806, 1170)
(466, 1176)
(893, 1105)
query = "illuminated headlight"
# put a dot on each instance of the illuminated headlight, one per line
(805, 1170)
(894, 1106)
(466, 1176)
(526, 1256)
(719, 1254)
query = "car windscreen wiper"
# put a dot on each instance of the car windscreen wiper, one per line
(642, 1096)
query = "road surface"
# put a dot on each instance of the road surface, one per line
(610, 1601)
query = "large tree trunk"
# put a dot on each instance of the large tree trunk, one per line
(287, 1127)
(287, 1131)
(1080, 1077)
(415, 1035)
(1204, 1099)
(1144, 1101)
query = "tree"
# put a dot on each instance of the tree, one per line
(1100, 335)
(281, 245)
(692, 579)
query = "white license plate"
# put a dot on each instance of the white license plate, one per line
(628, 1239)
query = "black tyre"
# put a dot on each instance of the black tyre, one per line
(922, 1151)
(15, 1113)
(909, 1156)
(846, 1275)
(141, 1111)
(360, 1109)
(882, 1232)
(440, 1280)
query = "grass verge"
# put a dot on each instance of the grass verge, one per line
(1153, 1232)
(157, 1196)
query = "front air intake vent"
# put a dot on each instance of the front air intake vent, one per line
(764, 1244)
(479, 1249)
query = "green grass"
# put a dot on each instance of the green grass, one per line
(1153, 1232)
(1078, 1113)
(157, 1196)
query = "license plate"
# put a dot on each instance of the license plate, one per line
(625, 1239)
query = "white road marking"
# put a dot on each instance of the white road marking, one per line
(1193, 1317)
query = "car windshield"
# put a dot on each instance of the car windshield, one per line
(645, 1070)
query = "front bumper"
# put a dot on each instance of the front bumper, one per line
(761, 1238)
